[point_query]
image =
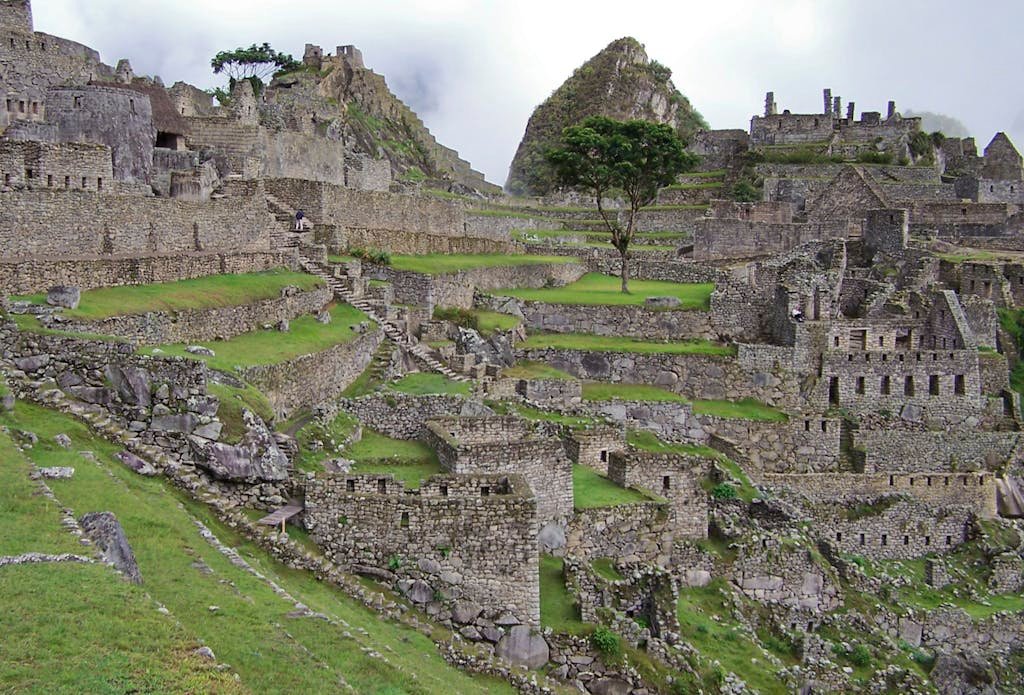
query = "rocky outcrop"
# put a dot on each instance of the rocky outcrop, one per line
(257, 458)
(620, 82)
(105, 531)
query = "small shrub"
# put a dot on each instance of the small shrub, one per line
(460, 317)
(870, 157)
(724, 491)
(606, 642)
(745, 192)
(860, 655)
(394, 563)
(371, 256)
(343, 520)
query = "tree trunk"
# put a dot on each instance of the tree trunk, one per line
(625, 270)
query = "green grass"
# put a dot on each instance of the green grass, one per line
(28, 323)
(724, 640)
(427, 383)
(980, 256)
(438, 263)
(490, 321)
(409, 461)
(594, 289)
(305, 336)
(604, 567)
(696, 186)
(557, 609)
(70, 635)
(232, 401)
(601, 343)
(746, 409)
(329, 436)
(648, 441)
(603, 391)
(590, 489)
(200, 293)
(535, 370)
(571, 421)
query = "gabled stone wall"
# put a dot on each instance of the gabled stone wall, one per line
(674, 477)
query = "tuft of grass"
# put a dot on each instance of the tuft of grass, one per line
(200, 293)
(604, 567)
(440, 263)
(305, 336)
(594, 289)
(602, 343)
(428, 383)
(590, 490)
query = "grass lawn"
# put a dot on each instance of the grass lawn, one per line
(439, 263)
(305, 336)
(594, 289)
(746, 409)
(68, 629)
(490, 321)
(329, 437)
(377, 448)
(590, 489)
(535, 370)
(232, 401)
(648, 441)
(603, 343)
(200, 293)
(557, 609)
(427, 383)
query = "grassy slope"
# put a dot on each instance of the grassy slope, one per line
(409, 461)
(250, 629)
(436, 264)
(232, 401)
(557, 608)
(200, 293)
(599, 343)
(305, 336)
(535, 370)
(595, 289)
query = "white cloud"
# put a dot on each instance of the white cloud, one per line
(475, 69)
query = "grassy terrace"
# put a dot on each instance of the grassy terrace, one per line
(81, 628)
(536, 370)
(438, 263)
(424, 384)
(594, 289)
(557, 609)
(201, 293)
(590, 489)
(745, 409)
(305, 336)
(600, 343)
(487, 322)
(409, 461)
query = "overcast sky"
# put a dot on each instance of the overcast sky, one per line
(474, 71)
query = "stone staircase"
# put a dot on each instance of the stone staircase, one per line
(421, 352)
(284, 236)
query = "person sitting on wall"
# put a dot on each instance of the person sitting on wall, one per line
(300, 221)
(798, 316)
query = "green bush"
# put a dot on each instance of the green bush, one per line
(872, 157)
(860, 655)
(606, 642)
(724, 491)
(460, 317)
(394, 563)
(371, 256)
(746, 192)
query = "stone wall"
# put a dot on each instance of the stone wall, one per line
(694, 376)
(400, 415)
(507, 445)
(975, 491)
(632, 533)
(107, 225)
(39, 274)
(309, 380)
(31, 63)
(473, 536)
(901, 532)
(786, 575)
(889, 451)
(458, 289)
(669, 219)
(808, 444)
(674, 477)
(592, 447)
(718, 239)
(220, 323)
(76, 166)
(631, 321)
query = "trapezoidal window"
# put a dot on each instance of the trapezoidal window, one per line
(908, 386)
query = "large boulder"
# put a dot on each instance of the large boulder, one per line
(138, 465)
(963, 673)
(64, 297)
(257, 458)
(105, 531)
(499, 349)
(131, 383)
(522, 646)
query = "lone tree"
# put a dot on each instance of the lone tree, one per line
(602, 156)
(254, 64)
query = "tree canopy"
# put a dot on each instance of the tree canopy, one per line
(634, 159)
(254, 63)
